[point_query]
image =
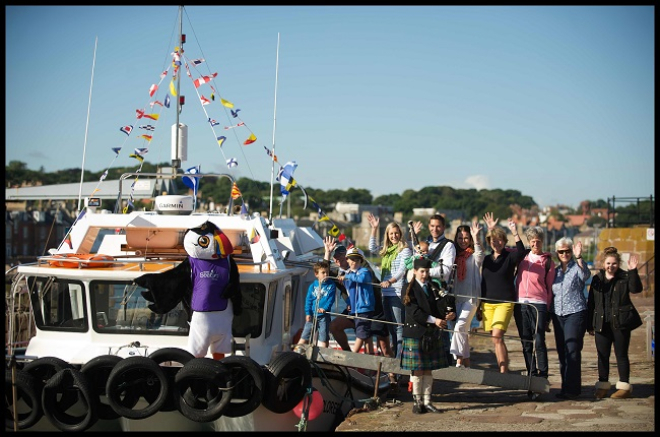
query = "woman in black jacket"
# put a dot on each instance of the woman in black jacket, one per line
(423, 319)
(612, 316)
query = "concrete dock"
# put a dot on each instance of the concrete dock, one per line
(467, 406)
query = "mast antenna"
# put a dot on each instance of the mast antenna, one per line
(89, 105)
(272, 168)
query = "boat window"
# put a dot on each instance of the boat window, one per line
(119, 308)
(272, 292)
(288, 310)
(295, 286)
(60, 304)
(251, 318)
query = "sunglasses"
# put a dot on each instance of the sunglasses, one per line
(563, 252)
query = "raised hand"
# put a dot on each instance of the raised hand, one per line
(490, 222)
(330, 243)
(512, 226)
(577, 249)
(633, 261)
(417, 226)
(474, 230)
(373, 221)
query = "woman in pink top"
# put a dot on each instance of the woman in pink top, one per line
(534, 280)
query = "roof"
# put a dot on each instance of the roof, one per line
(144, 189)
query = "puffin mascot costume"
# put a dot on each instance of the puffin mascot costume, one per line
(207, 284)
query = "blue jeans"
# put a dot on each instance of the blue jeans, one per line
(393, 309)
(569, 338)
(322, 325)
(531, 337)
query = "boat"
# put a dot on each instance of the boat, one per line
(101, 359)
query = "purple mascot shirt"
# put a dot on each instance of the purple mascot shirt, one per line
(210, 278)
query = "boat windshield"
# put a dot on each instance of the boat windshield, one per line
(119, 308)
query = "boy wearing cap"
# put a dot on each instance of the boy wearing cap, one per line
(360, 295)
(423, 318)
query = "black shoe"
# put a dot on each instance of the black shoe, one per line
(431, 409)
(418, 409)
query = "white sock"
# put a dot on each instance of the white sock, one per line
(417, 386)
(428, 388)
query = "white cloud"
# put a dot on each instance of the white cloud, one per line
(479, 182)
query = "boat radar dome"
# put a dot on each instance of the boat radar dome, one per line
(174, 205)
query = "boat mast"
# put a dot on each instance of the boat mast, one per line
(176, 159)
(89, 105)
(272, 168)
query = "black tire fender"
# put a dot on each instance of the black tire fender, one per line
(288, 377)
(202, 389)
(97, 371)
(69, 381)
(136, 377)
(45, 368)
(27, 391)
(248, 382)
(171, 354)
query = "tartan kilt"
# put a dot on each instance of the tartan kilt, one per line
(412, 358)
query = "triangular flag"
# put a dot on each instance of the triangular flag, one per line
(250, 140)
(226, 103)
(172, 89)
(235, 192)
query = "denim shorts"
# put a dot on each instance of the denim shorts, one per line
(322, 323)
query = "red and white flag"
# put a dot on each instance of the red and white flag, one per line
(236, 125)
(205, 101)
(152, 90)
(203, 80)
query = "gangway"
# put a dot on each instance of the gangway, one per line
(533, 384)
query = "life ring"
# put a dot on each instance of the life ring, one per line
(70, 381)
(27, 393)
(97, 371)
(175, 355)
(248, 382)
(137, 376)
(288, 377)
(81, 260)
(203, 389)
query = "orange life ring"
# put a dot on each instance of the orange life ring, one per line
(82, 260)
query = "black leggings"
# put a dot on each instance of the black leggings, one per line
(621, 340)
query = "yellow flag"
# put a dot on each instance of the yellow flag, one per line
(334, 231)
(324, 218)
(172, 89)
(226, 103)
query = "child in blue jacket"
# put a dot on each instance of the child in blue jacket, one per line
(319, 301)
(358, 283)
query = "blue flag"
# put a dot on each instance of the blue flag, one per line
(191, 181)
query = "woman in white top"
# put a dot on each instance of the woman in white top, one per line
(394, 251)
(467, 288)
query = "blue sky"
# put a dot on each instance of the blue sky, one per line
(554, 101)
